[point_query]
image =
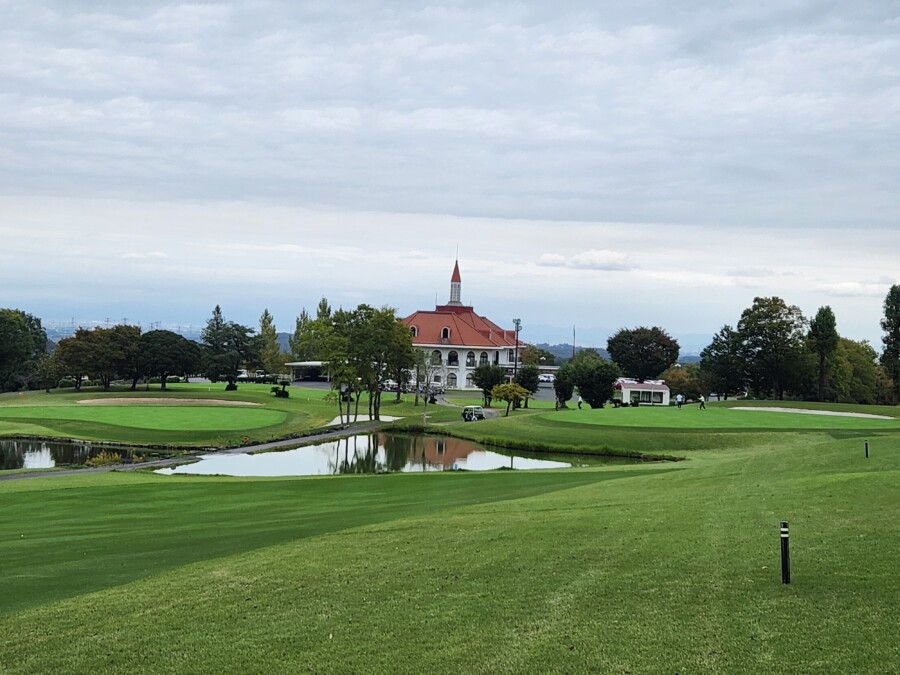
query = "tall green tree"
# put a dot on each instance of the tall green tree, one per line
(823, 340)
(772, 335)
(595, 377)
(164, 353)
(22, 342)
(486, 377)
(226, 346)
(890, 324)
(642, 353)
(295, 340)
(527, 378)
(270, 354)
(722, 364)
(853, 373)
(564, 384)
(684, 379)
(75, 356)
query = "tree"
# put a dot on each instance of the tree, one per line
(295, 341)
(535, 356)
(771, 334)
(890, 324)
(823, 340)
(164, 353)
(642, 353)
(510, 392)
(564, 384)
(722, 365)
(270, 354)
(48, 370)
(486, 377)
(684, 379)
(22, 342)
(74, 354)
(226, 345)
(595, 379)
(527, 378)
(853, 373)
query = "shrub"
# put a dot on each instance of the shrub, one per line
(66, 383)
(231, 386)
(103, 458)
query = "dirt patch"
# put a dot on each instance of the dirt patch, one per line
(164, 401)
(819, 412)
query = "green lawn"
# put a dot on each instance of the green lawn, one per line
(645, 568)
(59, 414)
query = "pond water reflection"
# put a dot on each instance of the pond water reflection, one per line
(366, 454)
(21, 454)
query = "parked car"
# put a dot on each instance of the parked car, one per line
(471, 413)
(546, 377)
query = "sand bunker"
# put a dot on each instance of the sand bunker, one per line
(361, 418)
(820, 412)
(164, 401)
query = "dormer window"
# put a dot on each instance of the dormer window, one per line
(414, 331)
(445, 333)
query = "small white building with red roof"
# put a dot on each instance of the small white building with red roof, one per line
(460, 340)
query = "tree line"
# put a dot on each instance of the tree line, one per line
(773, 351)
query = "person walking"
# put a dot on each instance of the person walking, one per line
(580, 401)
(702, 402)
(679, 399)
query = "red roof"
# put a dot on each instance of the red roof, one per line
(455, 279)
(467, 329)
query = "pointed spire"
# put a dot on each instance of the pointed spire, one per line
(455, 286)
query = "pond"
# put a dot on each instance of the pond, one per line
(22, 454)
(372, 453)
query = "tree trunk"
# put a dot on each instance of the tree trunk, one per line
(162, 381)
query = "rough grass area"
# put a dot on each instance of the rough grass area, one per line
(639, 569)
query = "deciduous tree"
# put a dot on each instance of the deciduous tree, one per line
(722, 365)
(22, 342)
(510, 392)
(642, 353)
(771, 334)
(527, 378)
(486, 377)
(164, 353)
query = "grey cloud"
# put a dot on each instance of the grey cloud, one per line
(592, 259)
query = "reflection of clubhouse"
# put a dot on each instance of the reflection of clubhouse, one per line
(460, 340)
(436, 450)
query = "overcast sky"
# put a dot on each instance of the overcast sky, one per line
(599, 164)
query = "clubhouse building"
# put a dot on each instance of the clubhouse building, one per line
(460, 340)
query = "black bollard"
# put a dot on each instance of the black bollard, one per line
(867, 449)
(785, 554)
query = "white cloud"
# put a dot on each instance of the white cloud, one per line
(592, 259)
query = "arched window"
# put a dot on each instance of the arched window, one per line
(414, 331)
(445, 333)
(470, 360)
(452, 359)
(451, 381)
(469, 383)
(483, 359)
(435, 358)
(496, 358)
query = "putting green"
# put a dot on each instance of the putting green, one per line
(163, 417)
(716, 417)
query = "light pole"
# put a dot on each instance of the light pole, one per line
(518, 324)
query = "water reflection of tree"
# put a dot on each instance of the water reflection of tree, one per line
(397, 450)
(10, 455)
(356, 459)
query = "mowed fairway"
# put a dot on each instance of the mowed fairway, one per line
(646, 568)
(184, 415)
